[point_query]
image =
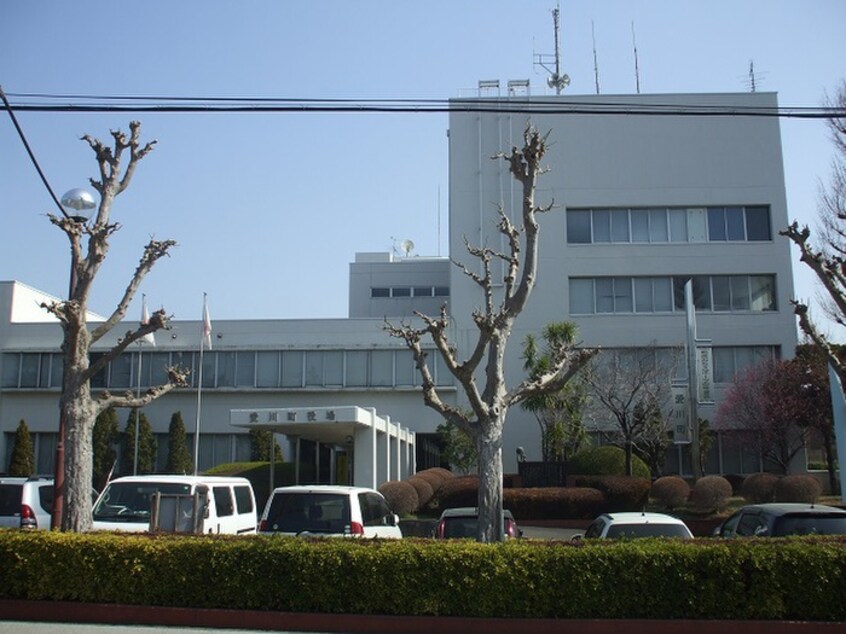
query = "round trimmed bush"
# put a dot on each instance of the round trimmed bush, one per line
(423, 488)
(606, 460)
(436, 477)
(736, 481)
(622, 493)
(670, 491)
(401, 496)
(759, 488)
(459, 491)
(711, 493)
(798, 488)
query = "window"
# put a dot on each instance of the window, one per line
(667, 224)
(226, 364)
(380, 292)
(401, 291)
(246, 373)
(243, 499)
(223, 501)
(292, 368)
(581, 296)
(11, 369)
(578, 227)
(717, 293)
(381, 368)
(441, 291)
(423, 291)
(267, 369)
(356, 368)
(120, 374)
(731, 360)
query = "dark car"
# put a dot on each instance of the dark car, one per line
(463, 522)
(782, 519)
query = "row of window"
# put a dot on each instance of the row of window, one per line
(292, 369)
(409, 291)
(669, 224)
(715, 293)
(243, 369)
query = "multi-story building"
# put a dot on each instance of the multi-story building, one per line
(682, 189)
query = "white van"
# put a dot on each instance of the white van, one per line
(226, 505)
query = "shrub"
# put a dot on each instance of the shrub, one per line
(670, 491)
(759, 488)
(622, 493)
(736, 481)
(607, 460)
(436, 477)
(423, 488)
(401, 496)
(554, 503)
(711, 493)
(798, 488)
(459, 491)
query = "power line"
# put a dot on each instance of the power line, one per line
(44, 102)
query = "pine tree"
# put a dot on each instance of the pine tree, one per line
(106, 437)
(23, 455)
(178, 457)
(146, 445)
(260, 446)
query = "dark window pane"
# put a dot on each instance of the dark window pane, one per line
(578, 227)
(734, 223)
(380, 292)
(601, 225)
(716, 224)
(401, 291)
(758, 223)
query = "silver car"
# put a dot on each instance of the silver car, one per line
(26, 502)
(330, 511)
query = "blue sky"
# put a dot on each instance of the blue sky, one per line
(270, 209)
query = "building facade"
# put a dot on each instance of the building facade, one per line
(643, 202)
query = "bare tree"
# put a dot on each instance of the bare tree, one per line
(826, 260)
(625, 381)
(78, 405)
(488, 406)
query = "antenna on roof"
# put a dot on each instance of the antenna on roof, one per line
(637, 68)
(595, 65)
(556, 79)
(752, 78)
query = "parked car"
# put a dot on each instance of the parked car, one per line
(464, 522)
(226, 504)
(26, 502)
(781, 518)
(633, 524)
(325, 510)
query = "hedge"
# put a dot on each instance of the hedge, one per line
(800, 578)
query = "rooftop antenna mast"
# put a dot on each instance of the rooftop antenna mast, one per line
(595, 64)
(637, 69)
(556, 79)
(753, 78)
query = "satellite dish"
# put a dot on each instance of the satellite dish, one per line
(407, 246)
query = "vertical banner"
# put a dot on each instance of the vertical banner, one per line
(705, 372)
(838, 408)
(679, 413)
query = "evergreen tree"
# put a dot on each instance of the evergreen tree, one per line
(146, 445)
(106, 438)
(23, 455)
(260, 446)
(178, 457)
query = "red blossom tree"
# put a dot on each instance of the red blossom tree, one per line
(766, 402)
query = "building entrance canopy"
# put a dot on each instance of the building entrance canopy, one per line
(382, 450)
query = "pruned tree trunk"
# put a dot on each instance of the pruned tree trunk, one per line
(489, 407)
(78, 406)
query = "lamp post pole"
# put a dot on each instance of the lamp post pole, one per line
(81, 202)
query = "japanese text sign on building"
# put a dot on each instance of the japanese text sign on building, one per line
(679, 417)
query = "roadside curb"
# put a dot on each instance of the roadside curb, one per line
(70, 612)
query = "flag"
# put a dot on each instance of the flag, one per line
(207, 329)
(145, 319)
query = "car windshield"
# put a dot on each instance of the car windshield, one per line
(810, 524)
(458, 527)
(307, 512)
(131, 501)
(647, 530)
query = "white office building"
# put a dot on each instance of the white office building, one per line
(644, 202)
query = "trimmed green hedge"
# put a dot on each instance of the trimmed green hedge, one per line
(785, 579)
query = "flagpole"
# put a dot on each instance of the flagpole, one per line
(137, 414)
(205, 336)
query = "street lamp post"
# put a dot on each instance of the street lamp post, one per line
(81, 202)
